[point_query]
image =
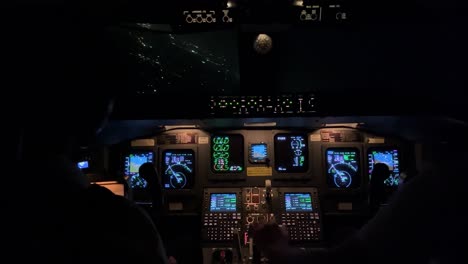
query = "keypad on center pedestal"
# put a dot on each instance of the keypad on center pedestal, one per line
(302, 226)
(220, 226)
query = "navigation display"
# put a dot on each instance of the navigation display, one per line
(343, 168)
(227, 153)
(178, 169)
(132, 163)
(291, 153)
(258, 153)
(223, 202)
(298, 202)
(390, 157)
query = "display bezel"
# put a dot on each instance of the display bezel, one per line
(256, 161)
(191, 182)
(212, 163)
(303, 169)
(83, 162)
(358, 175)
(383, 148)
(136, 152)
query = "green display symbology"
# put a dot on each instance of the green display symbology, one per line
(221, 151)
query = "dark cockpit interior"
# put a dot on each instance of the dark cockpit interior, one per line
(191, 131)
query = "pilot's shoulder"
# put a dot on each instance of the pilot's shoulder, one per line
(101, 196)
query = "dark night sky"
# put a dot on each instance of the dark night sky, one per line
(376, 58)
(195, 63)
(381, 58)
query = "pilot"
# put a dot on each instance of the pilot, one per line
(377, 194)
(402, 179)
(63, 73)
(423, 222)
(148, 172)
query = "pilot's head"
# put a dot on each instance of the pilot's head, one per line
(380, 172)
(65, 74)
(148, 173)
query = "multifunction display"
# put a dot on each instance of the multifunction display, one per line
(178, 169)
(343, 168)
(133, 161)
(227, 153)
(298, 202)
(223, 202)
(258, 153)
(389, 157)
(291, 153)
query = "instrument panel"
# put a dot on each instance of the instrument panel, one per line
(222, 214)
(226, 210)
(244, 157)
(218, 180)
(301, 213)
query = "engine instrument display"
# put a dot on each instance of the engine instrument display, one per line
(227, 153)
(343, 168)
(178, 169)
(223, 202)
(133, 161)
(298, 202)
(390, 157)
(291, 153)
(258, 153)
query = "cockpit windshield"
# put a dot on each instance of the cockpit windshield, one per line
(338, 61)
(167, 63)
